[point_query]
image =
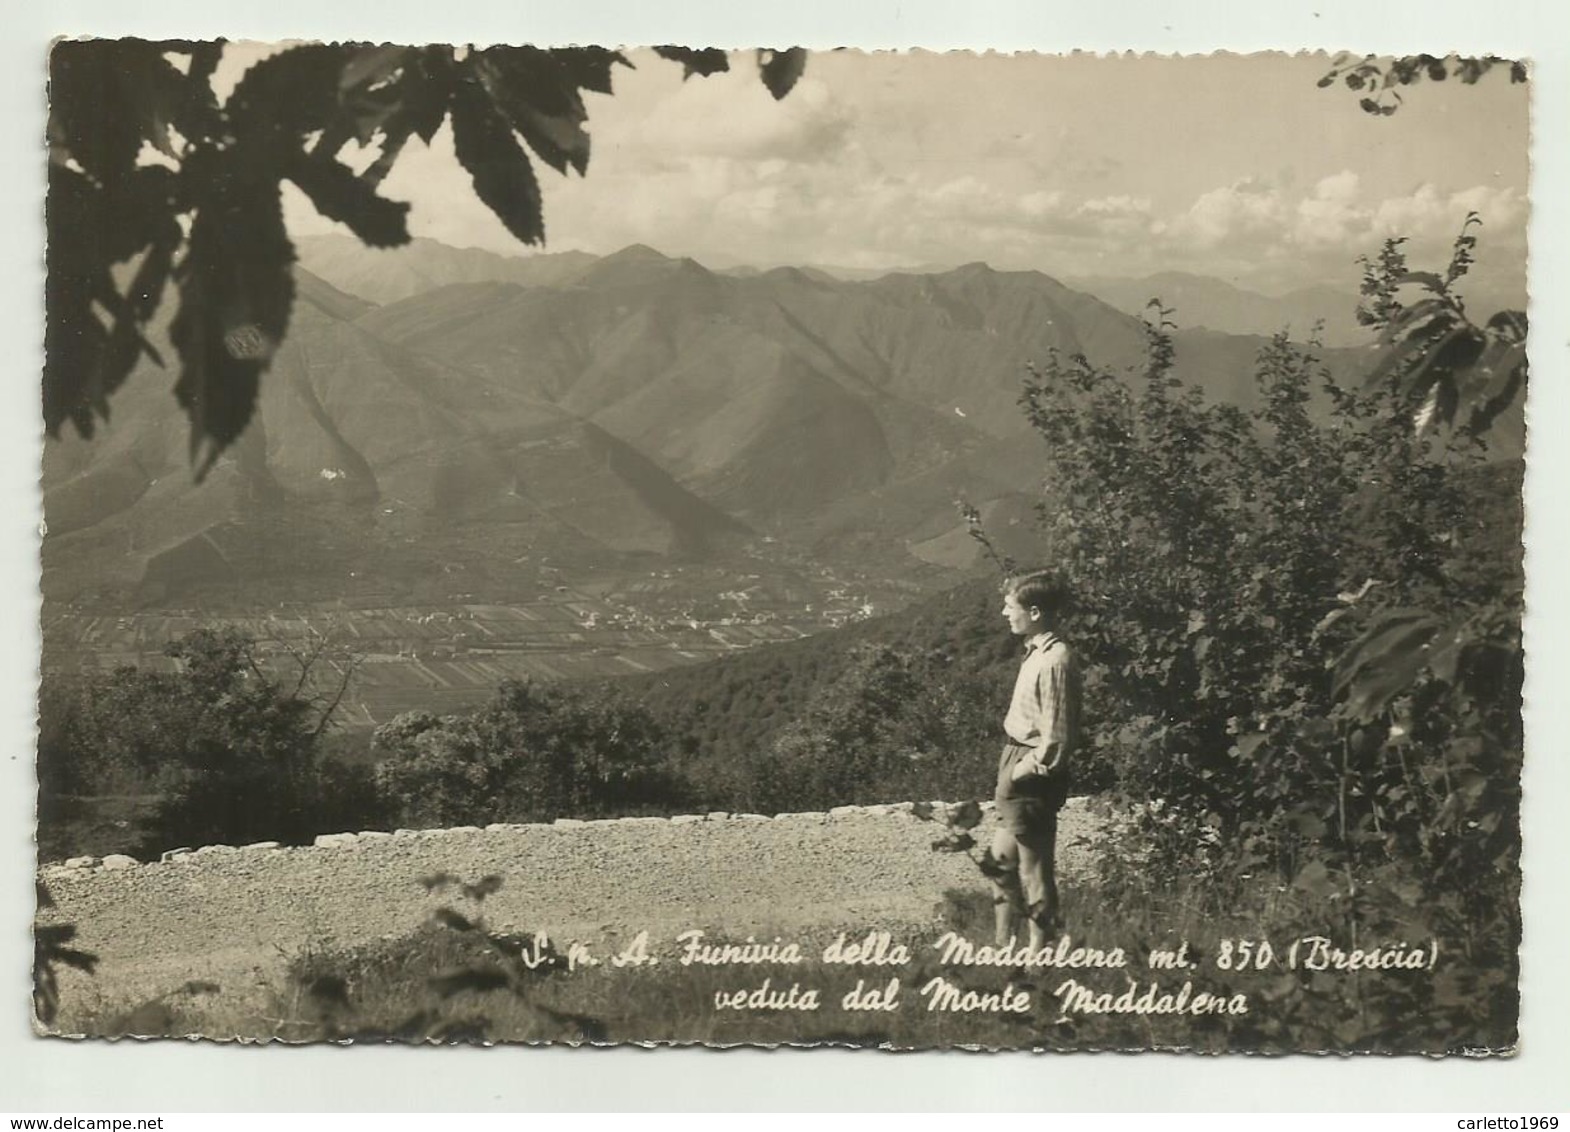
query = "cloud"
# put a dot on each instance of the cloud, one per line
(1245, 211)
(1428, 214)
(1331, 216)
(1115, 216)
(728, 115)
(837, 174)
(904, 159)
(1335, 221)
(1041, 203)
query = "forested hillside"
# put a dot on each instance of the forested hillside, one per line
(953, 646)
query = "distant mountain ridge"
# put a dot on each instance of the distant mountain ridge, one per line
(510, 410)
(1215, 304)
(386, 275)
(1201, 301)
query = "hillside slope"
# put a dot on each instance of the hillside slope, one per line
(595, 412)
(361, 453)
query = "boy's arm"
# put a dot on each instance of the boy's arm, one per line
(1055, 691)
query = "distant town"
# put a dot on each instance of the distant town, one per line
(453, 656)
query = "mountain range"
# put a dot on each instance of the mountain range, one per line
(438, 417)
(1215, 304)
(1201, 301)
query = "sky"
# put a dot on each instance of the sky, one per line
(1238, 166)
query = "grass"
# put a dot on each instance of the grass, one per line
(421, 987)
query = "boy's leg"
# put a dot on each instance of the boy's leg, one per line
(1038, 878)
(1001, 864)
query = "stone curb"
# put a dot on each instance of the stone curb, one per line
(115, 862)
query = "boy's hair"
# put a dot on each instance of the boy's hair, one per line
(1045, 590)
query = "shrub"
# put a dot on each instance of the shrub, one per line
(536, 751)
(1214, 551)
(1302, 622)
(1219, 553)
(894, 726)
(223, 750)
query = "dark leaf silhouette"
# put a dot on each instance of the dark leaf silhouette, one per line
(478, 979)
(288, 95)
(696, 61)
(486, 886)
(1385, 76)
(287, 117)
(954, 843)
(89, 229)
(539, 97)
(487, 149)
(781, 69)
(1460, 372)
(50, 952)
(1498, 376)
(340, 195)
(454, 920)
(1384, 662)
(108, 98)
(415, 106)
(236, 291)
(329, 990)
(372, 67)
(965, 815)
(462, 1030)
(439, 880)
(126, 343)
(575, 1027)
(589, 68)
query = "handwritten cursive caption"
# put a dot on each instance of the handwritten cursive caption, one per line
(1095, 980)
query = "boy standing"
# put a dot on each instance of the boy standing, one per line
(1033, 772)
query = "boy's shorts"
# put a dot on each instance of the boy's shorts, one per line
(1028, 808)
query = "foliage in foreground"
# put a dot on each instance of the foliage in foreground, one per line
(207, 215)
(1379, 82)
(455, 979)
(51, 952)
(535, 752)
(1302, 632)
(911, 698)
(224, 749)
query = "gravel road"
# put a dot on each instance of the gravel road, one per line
(237, 916)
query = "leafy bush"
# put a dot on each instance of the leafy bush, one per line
(225, 750)
(1303, 622)
(893, 726)
(536, 751)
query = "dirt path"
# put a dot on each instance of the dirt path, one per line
(237, 917)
